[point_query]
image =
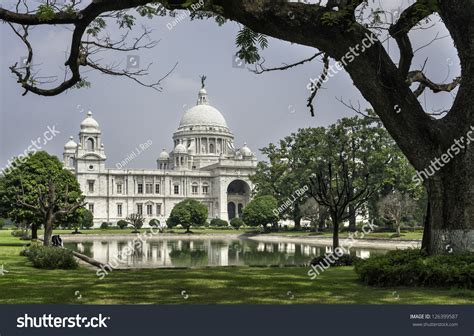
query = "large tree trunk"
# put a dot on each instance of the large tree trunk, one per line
(34, 232)
(298, 223)
(450, 221)
(335, 235)
(352, 218)
(48, 229)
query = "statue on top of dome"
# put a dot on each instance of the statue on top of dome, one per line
(203, 79)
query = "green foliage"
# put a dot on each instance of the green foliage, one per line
(83, 84)
(261, 211)
(104, 225)
(219, 222)
(45, 12)
(236, 223)
(122, 224)
(413, 268)
(367, 148)
(249, 42)
(2, 223)
(155, 222)
(87, 219)
(96, 26)
(32, 177)
(188, 213)
(136, 220)
(47, 257)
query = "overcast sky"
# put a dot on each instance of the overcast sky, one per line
(259, 109)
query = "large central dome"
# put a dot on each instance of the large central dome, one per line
(202, 114)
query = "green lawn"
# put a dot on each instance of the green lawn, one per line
(24, 284)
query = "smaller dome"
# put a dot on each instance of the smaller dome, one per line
(245, 151)
(89, 123)
(180, 149)
(164, 155)
(71, 144)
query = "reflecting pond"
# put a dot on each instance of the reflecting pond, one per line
(203, 252)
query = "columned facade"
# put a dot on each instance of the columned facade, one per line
(203, 165)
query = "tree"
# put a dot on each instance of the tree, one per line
(346, 31)
(331, 187)
(136, 220)
(87, 219)
(39, 186)
(155, 223)
(77, 219)
(261, 210)
(188, 213)
(122, 224)
(312, 211)
(396, 206)
(236, 223)
(217, 222)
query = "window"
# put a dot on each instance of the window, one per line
(119, 188)
(205, 189)
(140, 209)
(157, 188)
(90, 145)
(149, 188)
(176, 189)
(119, 210)
(91, 186)
(149, 209)
(158, 209)
(194, 189)
(91, 207)
(140, 188)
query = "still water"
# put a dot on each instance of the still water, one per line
(203, 252)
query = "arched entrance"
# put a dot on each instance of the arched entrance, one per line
(238, 196)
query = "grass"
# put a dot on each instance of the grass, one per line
(24, 284)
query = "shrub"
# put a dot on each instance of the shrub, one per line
(48, 257)
(219, 222)
(20, 233)
(104, 225)
(154, 222)
(122, 224)
(2, 223)
(236, 223)
(87, 220)
(188, 213)
(414, 268)
(344, 260)
(261, 211)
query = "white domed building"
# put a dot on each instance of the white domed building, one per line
(203, 164)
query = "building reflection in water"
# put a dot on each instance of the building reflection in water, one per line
(203, 252)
